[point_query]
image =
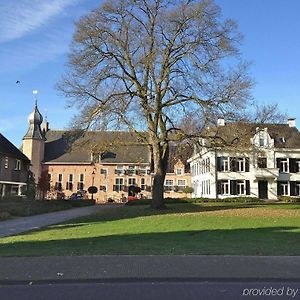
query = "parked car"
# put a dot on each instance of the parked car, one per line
(79, 195)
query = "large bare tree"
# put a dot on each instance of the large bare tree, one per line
(147, 64)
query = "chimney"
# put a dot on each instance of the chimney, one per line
(291, 122)
(221, 122)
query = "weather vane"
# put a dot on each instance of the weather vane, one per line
(35, 98)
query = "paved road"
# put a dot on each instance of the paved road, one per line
(123, 267)
(166, 290)
(19, 225)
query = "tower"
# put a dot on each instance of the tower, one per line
(34, 142)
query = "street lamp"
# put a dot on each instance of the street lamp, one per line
(93, 177)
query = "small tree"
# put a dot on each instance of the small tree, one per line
(44, 184)
(146, 65)
(31, 186)
(188, 190)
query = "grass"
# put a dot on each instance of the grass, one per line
(186, 228)
(18, 207)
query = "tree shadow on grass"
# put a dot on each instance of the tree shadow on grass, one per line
(246, 241)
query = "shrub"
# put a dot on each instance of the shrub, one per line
(4, 215)
(289, 199)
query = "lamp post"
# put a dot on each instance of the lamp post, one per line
(93, 177)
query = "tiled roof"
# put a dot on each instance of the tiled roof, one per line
(239, 134)
(8, 149)
(77, 147)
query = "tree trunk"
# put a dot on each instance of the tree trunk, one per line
(160, 166)
(158, 191)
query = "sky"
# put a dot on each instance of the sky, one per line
(35, 36)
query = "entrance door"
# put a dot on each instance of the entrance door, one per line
(263, 189)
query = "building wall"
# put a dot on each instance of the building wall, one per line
(271, 174)
(108, 179)
(13, 177)
(34, 150)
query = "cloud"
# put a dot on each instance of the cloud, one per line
(19, 18)
(30, 54)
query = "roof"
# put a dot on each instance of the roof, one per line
(8, 149)
(35, 120)
(239, 134)
(77, 146)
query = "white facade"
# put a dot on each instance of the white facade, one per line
(261, 170)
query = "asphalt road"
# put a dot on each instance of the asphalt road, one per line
(146, 290)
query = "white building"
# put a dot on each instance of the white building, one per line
(247, 159)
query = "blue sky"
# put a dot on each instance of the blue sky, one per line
(35, 35)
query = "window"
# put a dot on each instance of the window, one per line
(81, 182)
(131, 181)
(6, 163)
(283, 189)
(261, 142)
(103, 188)
(143, 171)
(179, 171)
(241, 187)
(169, 186)
(224, 164)
(181, 184)
(208, 165)
(59, 182)
(240, 164)
(70, 182)
(131, 170)
(262, 162)
(18, 165)
(119, 170)
(283, 165)
(119, 185)
(225, 187)
(104, 172)
(143, 184)
(14, 190)
(297, 188)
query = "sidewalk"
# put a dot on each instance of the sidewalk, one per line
(130, 267)
(19, 225)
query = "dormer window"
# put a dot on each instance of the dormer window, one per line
(179, 171)
(261, 142)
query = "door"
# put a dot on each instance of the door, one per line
(263, 189)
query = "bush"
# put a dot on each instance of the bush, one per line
(289, 199)
(4, 215)
(227, 200)
(149, 201)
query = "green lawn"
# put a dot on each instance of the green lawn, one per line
(219, 228)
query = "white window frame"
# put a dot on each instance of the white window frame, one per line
(104, 173)
(241, 164)
(285, 165)
(120, 170)
(81, 181)
(224, 164)
(132, 179)
(18, 165)
(225, 187)
(119, 182)
(285, 188)
(179, 171)
(143, 184)
(168, 186)
(241, 187)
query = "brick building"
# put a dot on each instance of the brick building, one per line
(116, 162)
